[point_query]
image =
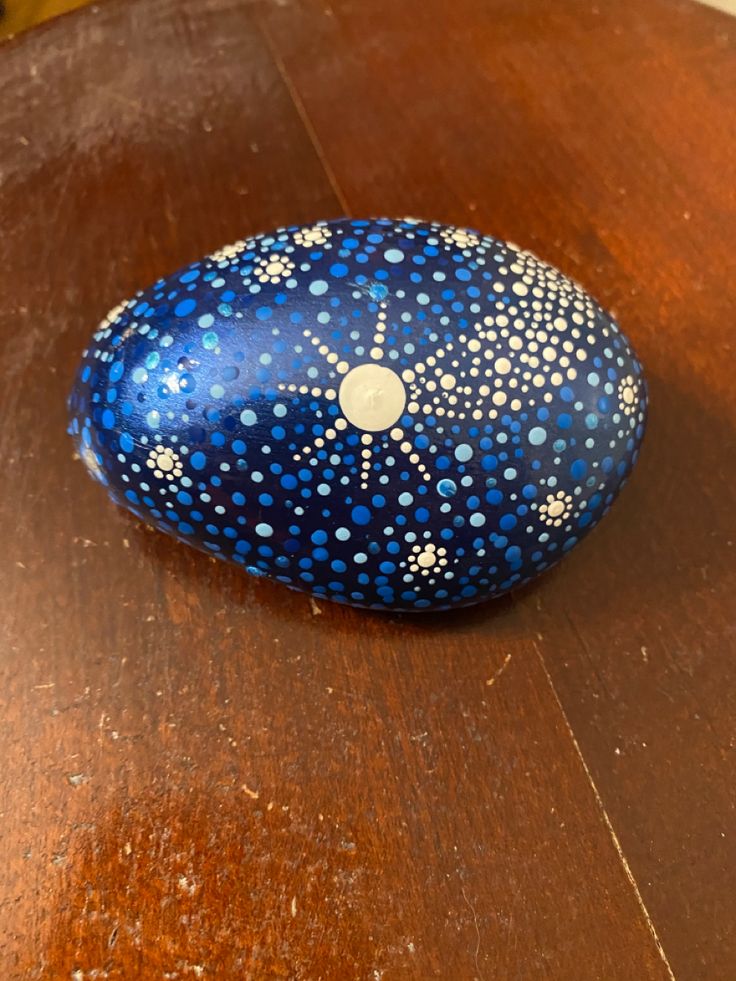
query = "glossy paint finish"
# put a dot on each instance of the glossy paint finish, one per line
(392, 414)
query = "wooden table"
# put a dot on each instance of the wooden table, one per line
(206, 776)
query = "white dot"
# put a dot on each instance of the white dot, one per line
(372, 397)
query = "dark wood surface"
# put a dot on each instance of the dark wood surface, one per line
(208, 776)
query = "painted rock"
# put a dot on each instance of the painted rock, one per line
(392, 414)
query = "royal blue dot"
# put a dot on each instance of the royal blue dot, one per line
(361, 515)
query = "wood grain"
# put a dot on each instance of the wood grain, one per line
(209, 776)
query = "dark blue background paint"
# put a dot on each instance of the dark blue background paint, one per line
(495, 414)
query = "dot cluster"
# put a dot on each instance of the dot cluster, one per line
(393, 414)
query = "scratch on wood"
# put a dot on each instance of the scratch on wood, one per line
(253, 794)
(614, 837)
(316, 611)
(492, 681)
(477, 933)
(304, 116)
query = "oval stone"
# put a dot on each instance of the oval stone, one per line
(392, 414)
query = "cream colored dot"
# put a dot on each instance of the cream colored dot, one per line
(521, 289)
(448, 382)
(502, 366)
(556, 508)
(372, 397)
(627, 395)
(425, 559)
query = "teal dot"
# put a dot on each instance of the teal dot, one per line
(152, 360)
(209, 340)
(393, 255)
(537, 436)
(139, 375)
(248, 417)
(153, 419)
(591, 420)
(318, 287)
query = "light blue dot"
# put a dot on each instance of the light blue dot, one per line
(342, 534)
(184, 308)
(405, 499)
(153, 419)
(126, 443)
(139, 375)
(209, 340)
(206, 320)
(279, 410)
(537, 436)
(217, 391)
(446, 487)
(248, 417)
(393, 255)
(463, 452)
(152, 360)
(264, 530)
(198, 460)
(477, 520)
(318, 287)
(360, 557)
(591, 420)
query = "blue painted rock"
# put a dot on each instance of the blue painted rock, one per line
(392, 414)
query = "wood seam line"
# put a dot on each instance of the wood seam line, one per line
(606, 818)
(304, 116)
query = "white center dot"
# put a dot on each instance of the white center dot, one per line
(372, 397)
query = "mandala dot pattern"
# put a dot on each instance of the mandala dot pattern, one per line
(392, 414)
